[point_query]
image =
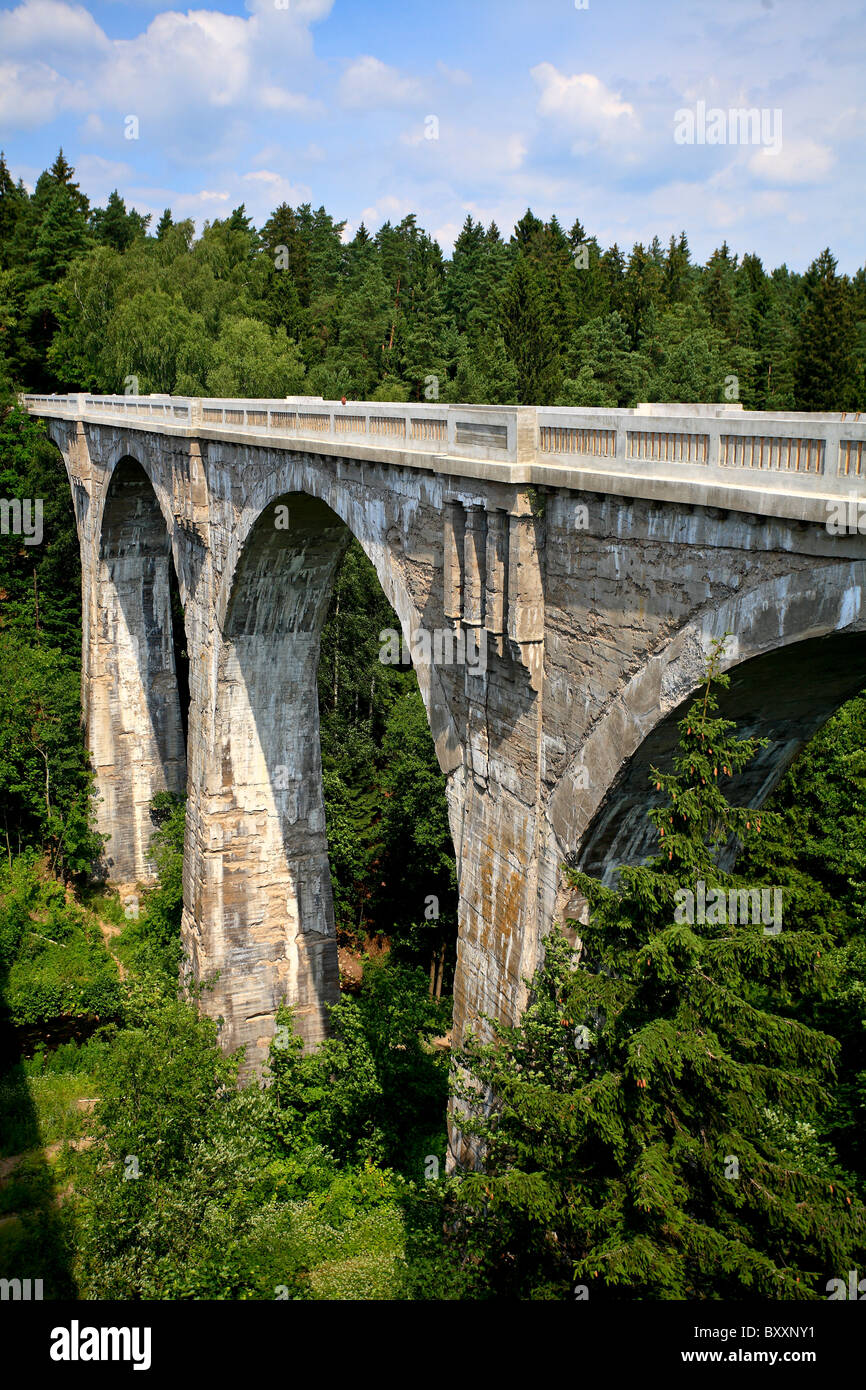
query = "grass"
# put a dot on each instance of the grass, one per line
(36, 1111)
(36, 1230)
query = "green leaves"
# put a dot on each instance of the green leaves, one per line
(53, 962)
(374, 1090)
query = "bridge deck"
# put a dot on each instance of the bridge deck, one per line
(795, 465)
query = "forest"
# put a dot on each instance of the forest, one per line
(133, 1162)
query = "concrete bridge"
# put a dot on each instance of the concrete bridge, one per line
(591, 555)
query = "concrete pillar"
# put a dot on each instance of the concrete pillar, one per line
(525, 587)
(495, 593)
(453, 538)
(474, 544)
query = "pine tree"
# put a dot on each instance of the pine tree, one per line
(648, 1129)
(13, 205)
(825, 372)
(717, 289)
(421, 351)
(675, 281)
(114, 226)
(164, 225)
(530, 336)
(640, 291)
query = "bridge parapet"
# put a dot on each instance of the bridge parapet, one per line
(788, 463)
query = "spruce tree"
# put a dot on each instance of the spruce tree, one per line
(164, 225)
(530, 336)
(826, 371)
(648, 1130)
(13, 205)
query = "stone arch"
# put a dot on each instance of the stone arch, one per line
(260, 911)
(374, 543)
(133, 712)
(801, 611)
(152, 463)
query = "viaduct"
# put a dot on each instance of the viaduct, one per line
(592, 556)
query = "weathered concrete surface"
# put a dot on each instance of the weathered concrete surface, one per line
(597, 611)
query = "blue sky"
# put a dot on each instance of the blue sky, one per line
(376, 108)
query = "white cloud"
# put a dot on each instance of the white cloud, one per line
(32, 94)
(271, 189)
(455, 75)
(92, 169)
(469, 152)
(582, 104)
(296, 103)
(300, 11)
(797, 162)
(388, 208)
(50, 30)
(370, 85)
(176, 75)
(94, 128)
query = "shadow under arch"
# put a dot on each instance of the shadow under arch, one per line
(790, 609)
(784, 696)
(134, 716)
(262, 913)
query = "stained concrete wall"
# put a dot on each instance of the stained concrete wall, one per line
(595, 611)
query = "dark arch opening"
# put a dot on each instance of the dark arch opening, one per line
(392, 857)
(139, 687)
(784, 696)
(268, 882)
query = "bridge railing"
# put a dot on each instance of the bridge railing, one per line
(505, 433)
(719, 443)
(465, 431)
(715, 443)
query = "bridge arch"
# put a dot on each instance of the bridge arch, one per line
(133, 712)
(262, 871)
(381, 548)
(796, 651)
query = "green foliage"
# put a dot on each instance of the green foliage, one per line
(657, 1052)
(169, 1112)
(89, 298)
(389, 840)
(818, 853)
(374, 1090)
(827, 373)
(151, 942)
(52, 957)
(45, 783)
(183, 1193)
